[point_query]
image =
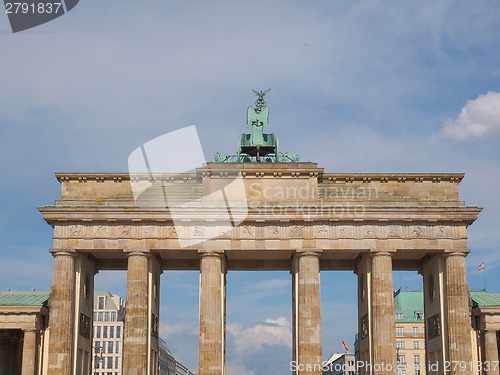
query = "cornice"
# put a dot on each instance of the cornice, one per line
(457, 215)
(245, 170)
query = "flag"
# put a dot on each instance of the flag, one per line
(480, 267)
(345, 346)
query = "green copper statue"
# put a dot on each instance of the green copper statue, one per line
(258, 146)
(258, 118)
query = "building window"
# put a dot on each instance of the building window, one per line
(401, 372)
(95, 317)
(116, 362)
(400, 344)
(106, 316)
(98, 332)
(416, 345)
(399, 316)
(97, 346)
(417, 360)
(400, 331)
(110, 362)
(110, 347)
(113, 316)
(101, 303)
(415, 331)
(117, 347)
(105, 332)
(99, 317)
(401, 359)
(111, 332)
(118, 329)
(420, 316)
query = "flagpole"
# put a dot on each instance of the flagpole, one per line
(484, 272)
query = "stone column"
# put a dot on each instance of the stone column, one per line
(459, 328)
(309, 314)
(29, 353)
(212, 314)
(491, 352)
(384, 331)
(135, 346)
(61, 313)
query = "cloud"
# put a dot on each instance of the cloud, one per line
(167, 330)
(273, 284)
(235, 369)
(272, 332)
(479, 119)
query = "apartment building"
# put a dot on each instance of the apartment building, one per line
(107, 346)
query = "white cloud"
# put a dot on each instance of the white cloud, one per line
(479, 119)
(273, 284)
(235, 369)
(167, 330)
(272, 332)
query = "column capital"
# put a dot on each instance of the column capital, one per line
(450, 254)
(490, 330)
(375, 253)
(211, 253)
(137, 252)
(63, 252)
(308, 252)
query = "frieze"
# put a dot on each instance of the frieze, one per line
(345, 231)
(393, 231)
(322, 231)
(296, 231)
(101, 231)
(198, 231)
(272, 231)
(252, 231)
(76, 231)
(247, 231)
(149, 231)
(124, 231)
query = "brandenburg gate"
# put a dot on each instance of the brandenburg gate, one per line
(258, 210)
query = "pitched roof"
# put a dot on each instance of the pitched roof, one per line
(409, 303)
(110, 303)
(24, 298)
(483, 299)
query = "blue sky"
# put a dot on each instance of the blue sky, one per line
(357, 86)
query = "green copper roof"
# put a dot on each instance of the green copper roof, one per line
(24, 298)
(409, 303)
(483, 299)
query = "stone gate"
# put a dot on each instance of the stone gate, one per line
(294, 216)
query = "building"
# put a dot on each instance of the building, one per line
(167, 363)
(258, 209)
(23, 320)
(410, 331)
(340, 364)
(485, 315)
(108, 328)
